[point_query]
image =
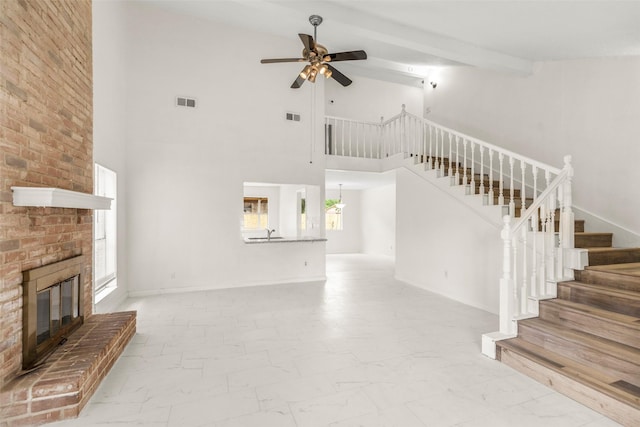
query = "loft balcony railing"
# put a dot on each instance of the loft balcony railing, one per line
(538, 227)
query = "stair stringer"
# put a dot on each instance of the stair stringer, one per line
(475, 202)
(492, 214)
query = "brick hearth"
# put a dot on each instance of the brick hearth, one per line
(63, 385)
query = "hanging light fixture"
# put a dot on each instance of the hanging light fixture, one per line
(340, 205)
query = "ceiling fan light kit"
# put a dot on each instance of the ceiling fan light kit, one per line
(319, 57)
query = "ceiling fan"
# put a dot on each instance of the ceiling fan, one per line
(319, 59)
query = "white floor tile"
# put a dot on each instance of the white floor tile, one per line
(362, 349)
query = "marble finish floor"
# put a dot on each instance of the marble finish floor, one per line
(362, 349)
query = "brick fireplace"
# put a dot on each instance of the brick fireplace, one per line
(46, 131)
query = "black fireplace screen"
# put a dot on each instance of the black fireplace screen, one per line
(57, 306)
(52, 309)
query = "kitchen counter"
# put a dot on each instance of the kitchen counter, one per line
(278, 239)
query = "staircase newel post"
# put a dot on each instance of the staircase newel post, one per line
(567, 237)
(506, 282)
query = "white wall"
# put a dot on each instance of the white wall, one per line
(109, 123)
(587, 108)
(379, 220)
(186, 167)
(368, 99)
(349, 239)
(444, 247)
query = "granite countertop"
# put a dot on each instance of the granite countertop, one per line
(279, 239)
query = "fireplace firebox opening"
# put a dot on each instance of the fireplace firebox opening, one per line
(52, 308)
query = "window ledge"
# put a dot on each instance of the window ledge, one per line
(104, 292)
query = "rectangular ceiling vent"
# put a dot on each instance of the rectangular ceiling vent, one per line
(293, 117)
(185, 102)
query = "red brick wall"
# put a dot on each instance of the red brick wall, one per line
(45, 140)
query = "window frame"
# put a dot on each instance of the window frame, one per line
(105, 231)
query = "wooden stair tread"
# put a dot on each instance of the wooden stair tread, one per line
(613, 276)
(618, 327)
(606, 384)
(600, 289)
(613, 249)
(588, 239)
(602, 345)
(628, 269)
(591, 311)
(606, 256)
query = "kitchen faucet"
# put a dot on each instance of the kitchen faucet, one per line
(269, 233)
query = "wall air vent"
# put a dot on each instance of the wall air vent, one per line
(293, 117)
(185, 102)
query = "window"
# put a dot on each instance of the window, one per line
(104, 225)
(332, 214)
(256, 213)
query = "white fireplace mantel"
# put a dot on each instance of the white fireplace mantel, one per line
(58, 198)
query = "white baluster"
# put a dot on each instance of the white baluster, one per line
(490, 197)
(464, 159)
(567, 220)
(534, 223)
(512, 203)
(414, 124)
(547, 178)
(423, 138)
(430, 147)
(422, 143)
(523, 195)
(515, 298)
(473, 167)
(367, 143)
(381, 139)
(457, 177)
(481, 170)
(544, 215)
(501, 181)
(436, 165)
(524, 292)
(450, 172)
(441, 163)
(534, 171)
(342, 138)
(553, 249)
(419, 144)
(358, 138)
(397, 141)
(403, 119)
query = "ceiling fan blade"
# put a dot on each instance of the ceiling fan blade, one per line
(353, 55)
(308, 42)
(339, 77)
(297, 83)
(274, 60)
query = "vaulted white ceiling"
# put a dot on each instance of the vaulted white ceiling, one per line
(404, 39)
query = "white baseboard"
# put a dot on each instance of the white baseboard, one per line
(622, 236)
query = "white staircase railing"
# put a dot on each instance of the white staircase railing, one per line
(534, 253)
(536, 194)
(505, 177)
